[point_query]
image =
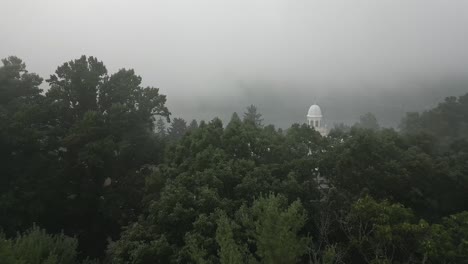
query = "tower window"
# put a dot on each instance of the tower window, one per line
(316, 123)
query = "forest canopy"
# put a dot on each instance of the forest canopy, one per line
(94, 170)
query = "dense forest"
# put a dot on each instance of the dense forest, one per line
(95, 170)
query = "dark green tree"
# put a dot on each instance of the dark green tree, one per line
(276, 228)
(193, 125)
(445, 124)
(383, 232)
(177, 129)
(16, 83)
(161, 127)
(74, 88)
(104, 125)
(252, 116)
(229, 252)
(446, 242)
(368, 121)
(35, 246)
(27, 154)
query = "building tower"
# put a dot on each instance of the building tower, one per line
(314, 119)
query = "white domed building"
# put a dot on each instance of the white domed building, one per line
(314, 119)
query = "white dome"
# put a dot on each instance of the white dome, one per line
(314, 111)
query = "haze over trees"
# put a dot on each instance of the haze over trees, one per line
(95, 171)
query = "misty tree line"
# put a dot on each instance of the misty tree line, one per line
(95, 171)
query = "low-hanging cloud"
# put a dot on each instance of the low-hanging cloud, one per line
(214, 57)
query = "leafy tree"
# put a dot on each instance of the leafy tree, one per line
(339, 131)
(35, 246)
(447, 241)
(271, 225)
(368, 121)
(383, 232)
(16, 83)
(26, 157)
(101, 135)
(74, 87)
(369, 161)
(139, 245)
(411, 123)
(302, 140)
(330, 255)
(276, 228)
(446, 123)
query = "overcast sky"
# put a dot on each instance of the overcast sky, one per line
(213, 57)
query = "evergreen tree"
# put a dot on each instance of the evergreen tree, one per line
(193, 125)
(27, 152)
(276, 229)
(177, 129)
(229, 251)
(252, 116)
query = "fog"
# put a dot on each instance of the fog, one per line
(214, 57)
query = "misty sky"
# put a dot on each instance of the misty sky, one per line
(214, 57)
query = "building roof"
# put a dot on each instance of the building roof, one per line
(314, 111)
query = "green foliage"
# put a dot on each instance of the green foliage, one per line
(93, 157)
(24, 147)
(72, 158)
(75, 85)
(368, 121)
(271, 227)
(35, 246)
(383, 232)
(161, 127)
(177, 129)
(330, 255)
(446, 123)
(213, 168)
(252, 116)
(16, 83)
(447, 242)
(229, 252)
(276, 229)
(339, 131)
(193, 125)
